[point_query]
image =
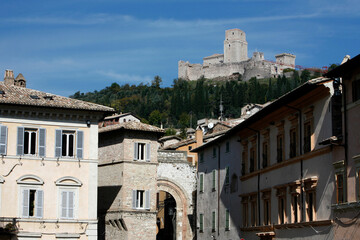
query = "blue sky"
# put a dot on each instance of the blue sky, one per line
(85, 45)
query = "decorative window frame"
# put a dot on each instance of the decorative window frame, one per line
(280, 157)
(30, 182)
(245, 210)
(253, 209)
(244, 156)
(253, 154)
(294, 121)
(295, 192)
(68, 184)
(339, 168)
(266, 141)
(281, 195)
(310, 188)
(266, 197)
(309, 119)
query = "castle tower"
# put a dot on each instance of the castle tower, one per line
(235, 46)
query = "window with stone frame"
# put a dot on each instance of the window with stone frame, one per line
(253, 209)
(252, 160)
(244, 156)
(308, 129)
(227, 175)
(310, 191)
(280, 144)
(339, 181)
(295, 190)
(266, 197)
(293, 143)
(280, 148)
(265, 148)
(294, 135)
(253, 155)
(245, 210)
(281, 195)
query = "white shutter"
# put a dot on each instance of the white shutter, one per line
(148, 150)
(20, 141)
(3, 140)
(58, 143)
(147, 199)
(80, 145)
(64, 204)
(136, 147)
(134, 199)
(39, 203)
(25, 203)
(42, 142)
(71, 204)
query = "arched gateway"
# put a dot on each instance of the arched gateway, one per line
(177, 178)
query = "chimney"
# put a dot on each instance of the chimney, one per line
(199, 137)
(9, 77)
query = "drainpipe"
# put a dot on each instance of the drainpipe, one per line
(218, 191)
(337, 81)
(301, 161)
(258, 175)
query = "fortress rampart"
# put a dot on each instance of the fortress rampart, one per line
(235, 61)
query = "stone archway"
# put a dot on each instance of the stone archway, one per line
(183, 226)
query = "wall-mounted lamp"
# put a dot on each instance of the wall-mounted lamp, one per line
(88, 123)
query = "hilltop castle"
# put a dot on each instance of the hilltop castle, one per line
(235, 61)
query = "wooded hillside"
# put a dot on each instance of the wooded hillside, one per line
(185, 102)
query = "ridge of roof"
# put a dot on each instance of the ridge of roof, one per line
(132, 125)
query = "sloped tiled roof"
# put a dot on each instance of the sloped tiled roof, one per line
(29, 97)
(136, 126)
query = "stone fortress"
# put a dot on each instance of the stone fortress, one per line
(235, 62)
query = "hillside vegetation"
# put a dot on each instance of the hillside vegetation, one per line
(185, 102)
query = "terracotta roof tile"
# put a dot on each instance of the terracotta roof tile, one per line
(137, 126)
(29, 97)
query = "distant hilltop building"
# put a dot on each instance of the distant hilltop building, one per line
(235, 61)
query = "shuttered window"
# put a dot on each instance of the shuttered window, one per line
(142, 151)
(3, 140)
(141, 199)
(67, 145)
(32, 203)
(67, 204)
(42, 142)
